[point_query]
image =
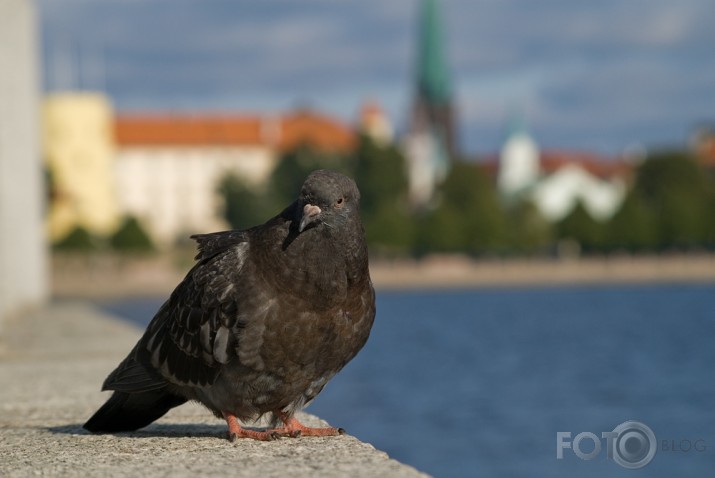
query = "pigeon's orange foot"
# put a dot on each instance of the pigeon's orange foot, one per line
(235, 431)
(294, 428)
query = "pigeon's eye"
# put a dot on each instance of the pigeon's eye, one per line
(340, 202)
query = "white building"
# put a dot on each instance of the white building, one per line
(168, 168)
(558, 193)
(426, 166)
(519, 167)
(556, 181)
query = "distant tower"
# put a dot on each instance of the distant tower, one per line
(374, 123)
(519, 166)
(430, 141)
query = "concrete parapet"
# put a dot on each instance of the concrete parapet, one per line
(51, 371)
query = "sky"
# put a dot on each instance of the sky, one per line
(604, 76)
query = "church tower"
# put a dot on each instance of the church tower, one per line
(519, 167)
(430, 143)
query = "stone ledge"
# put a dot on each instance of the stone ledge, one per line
(52, 363)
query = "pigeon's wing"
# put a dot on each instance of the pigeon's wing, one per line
(210, 245)
(196, 331)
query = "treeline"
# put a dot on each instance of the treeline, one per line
(129, 238)
(670, 206)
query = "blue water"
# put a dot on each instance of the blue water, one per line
(478, 382)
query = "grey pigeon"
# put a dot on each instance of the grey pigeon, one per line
(264, 319)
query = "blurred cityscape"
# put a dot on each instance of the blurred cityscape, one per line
(122, 184)
(508, 143)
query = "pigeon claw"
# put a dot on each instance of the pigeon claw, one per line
(235, 431)
(294, 428)
(283, 432)
(268, 435)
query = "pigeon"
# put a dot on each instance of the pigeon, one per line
(259, 325)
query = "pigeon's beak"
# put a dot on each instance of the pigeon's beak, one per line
(310, 214)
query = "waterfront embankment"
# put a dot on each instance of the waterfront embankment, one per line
(112, 277)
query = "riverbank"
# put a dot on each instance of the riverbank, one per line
(456, 271)
(111, 276)
(52, 363)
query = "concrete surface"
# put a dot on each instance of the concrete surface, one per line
(52, 364)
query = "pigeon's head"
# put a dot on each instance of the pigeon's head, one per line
(329, 198)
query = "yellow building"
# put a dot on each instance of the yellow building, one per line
(79, 153)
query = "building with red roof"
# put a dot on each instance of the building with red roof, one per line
(168, 167)
(556, 180)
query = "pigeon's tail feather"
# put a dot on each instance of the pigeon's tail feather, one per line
(131, 411)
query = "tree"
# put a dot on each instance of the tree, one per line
(469, 217)
(632, 227)
(246, 206)
(579, 226)
(131, 237)
(441, 230)
(390, 231)
(380, 173)
(243, 206)
(679, 195)
(528, 231)
(292, 169)
(78, 240)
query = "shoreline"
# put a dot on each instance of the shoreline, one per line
(443, 272)
(106, 276)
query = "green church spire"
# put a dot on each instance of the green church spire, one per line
(431, 141)
(432, 75)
